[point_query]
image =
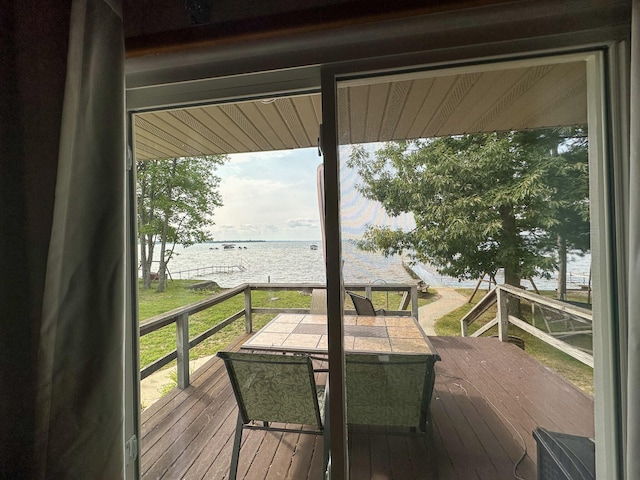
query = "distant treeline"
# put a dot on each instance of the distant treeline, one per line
(234, 241)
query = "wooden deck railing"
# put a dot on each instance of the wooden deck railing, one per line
(500, 296)
(180, 317)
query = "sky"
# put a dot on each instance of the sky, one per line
(269, 196)
(273, 196)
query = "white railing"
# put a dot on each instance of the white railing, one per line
(577, 320)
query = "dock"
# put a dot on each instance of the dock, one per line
(211, 270)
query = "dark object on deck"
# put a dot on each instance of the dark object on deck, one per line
(564, 457)
(517, 341)
(364, 306)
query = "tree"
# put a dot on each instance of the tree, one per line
(568, 175)
(176, 200)
(481, 202)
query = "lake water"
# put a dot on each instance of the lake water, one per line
(277, 262)
(578, 267)
(295, 262)
(282, 262)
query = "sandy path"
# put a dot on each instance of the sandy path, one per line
(449, 299)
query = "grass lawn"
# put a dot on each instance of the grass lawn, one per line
(574, 371)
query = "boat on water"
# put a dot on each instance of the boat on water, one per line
(228, 246)
(313, 246)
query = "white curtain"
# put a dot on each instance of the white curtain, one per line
(79, 402)
(62, 171)
(633, 343)
(79, 409)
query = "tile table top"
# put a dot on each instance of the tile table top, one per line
(308, 333)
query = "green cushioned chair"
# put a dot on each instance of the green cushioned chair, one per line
(275, 389)
(392, 390)
(318, 301)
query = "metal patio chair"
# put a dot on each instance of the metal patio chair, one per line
(364, 306)
(275, 389)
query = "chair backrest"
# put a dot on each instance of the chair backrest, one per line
(363, 305)
(318, 301)
(390, 389)
(274, 388)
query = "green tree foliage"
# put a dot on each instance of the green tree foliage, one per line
(569, 178)
(176, 200)
(480, 202)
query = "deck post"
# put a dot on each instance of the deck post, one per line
(503, 315)
(414, 301)
(182, 349)
(367, 292)
(248, 321)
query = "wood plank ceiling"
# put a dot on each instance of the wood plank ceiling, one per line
(372, 110)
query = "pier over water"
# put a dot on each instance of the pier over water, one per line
(211, 270)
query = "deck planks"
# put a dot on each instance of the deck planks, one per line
(283, 457)
(460, 398)
(380, 461)
(525, 391)
(484, 390)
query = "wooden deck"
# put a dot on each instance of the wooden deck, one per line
(489, 397)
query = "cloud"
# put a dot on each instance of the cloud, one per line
(263, 231)
(260, 156)
(302, 223)
(273, 196)
(234, 228)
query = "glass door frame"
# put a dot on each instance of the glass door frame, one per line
(606, 149)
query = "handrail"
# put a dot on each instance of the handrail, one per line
(503, 319)
(180, 317)
(167, 318)
(549, 302)
(478, 309)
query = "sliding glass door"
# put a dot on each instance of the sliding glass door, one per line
(457, 175)
(475, 172)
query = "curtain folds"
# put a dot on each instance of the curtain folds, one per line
(633, 342)
(79, 400)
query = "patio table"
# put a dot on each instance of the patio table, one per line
(307, 333)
